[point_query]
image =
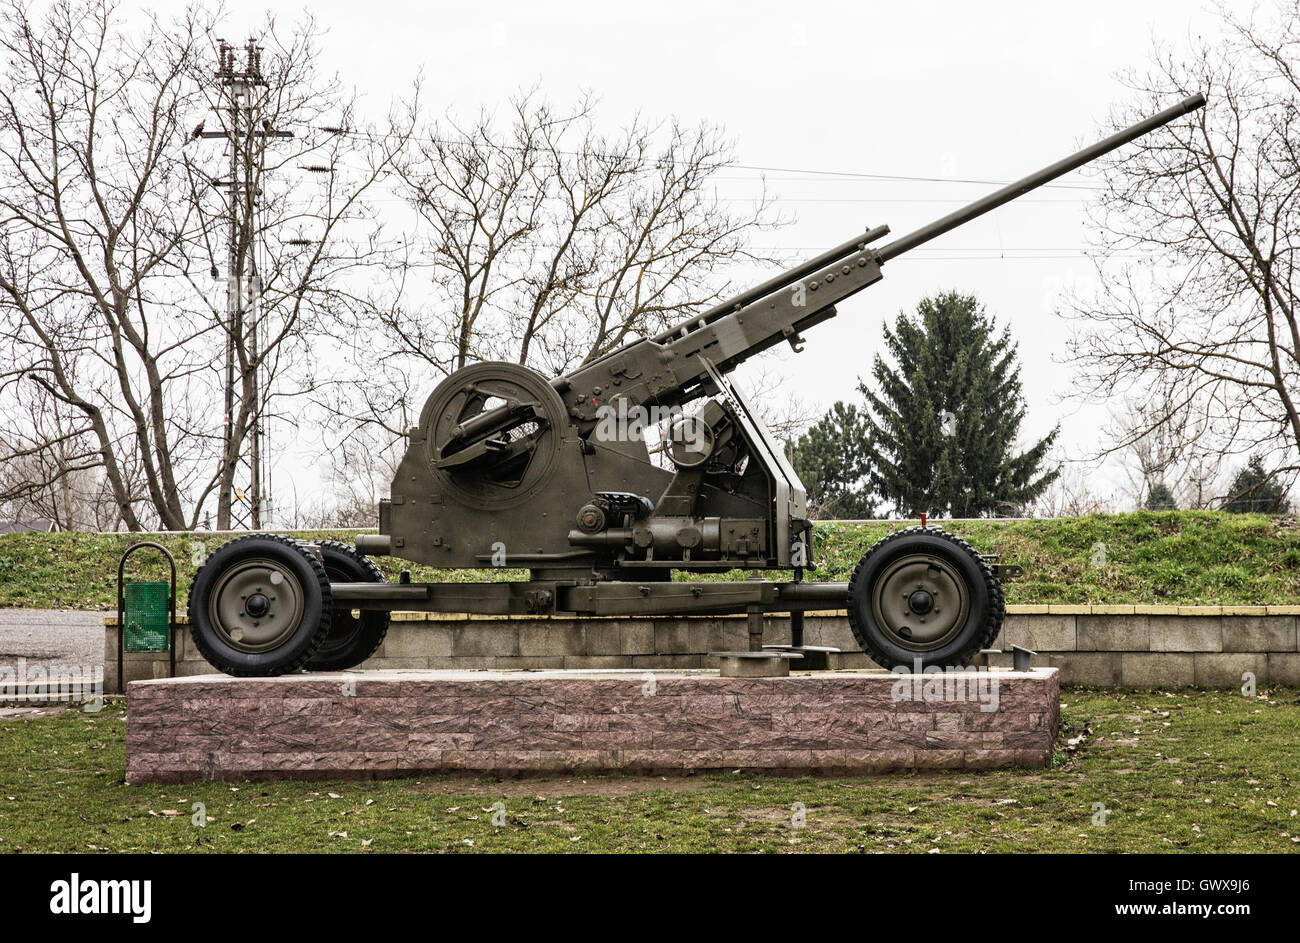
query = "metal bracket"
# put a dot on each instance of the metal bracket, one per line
(1008, 571)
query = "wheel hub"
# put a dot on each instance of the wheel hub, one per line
(921, 600)
(256, 605)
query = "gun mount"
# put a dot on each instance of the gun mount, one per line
(562, 477)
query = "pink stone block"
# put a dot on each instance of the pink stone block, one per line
(407, 722)
(980, 758)
(940, 759)
(879, 761)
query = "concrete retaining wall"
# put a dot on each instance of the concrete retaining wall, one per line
(1131, 646)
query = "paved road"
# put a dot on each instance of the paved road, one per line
(50, 637)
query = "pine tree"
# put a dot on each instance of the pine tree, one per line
(945, 416)
(1160, 498)
(830, 459)
(1256, 490)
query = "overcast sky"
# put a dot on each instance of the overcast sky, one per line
(823, 91)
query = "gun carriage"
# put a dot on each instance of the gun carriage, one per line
(510, 468)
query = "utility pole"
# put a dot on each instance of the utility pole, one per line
(246, 136)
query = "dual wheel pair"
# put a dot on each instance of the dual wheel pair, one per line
(261, 605)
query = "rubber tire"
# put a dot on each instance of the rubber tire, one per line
(343, 564)
(987, 603)
(317, 609)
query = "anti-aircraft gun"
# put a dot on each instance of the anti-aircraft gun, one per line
(510, 469)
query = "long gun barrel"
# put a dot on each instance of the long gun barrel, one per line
(678, 363)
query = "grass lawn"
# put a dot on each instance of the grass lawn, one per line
(1186, 770)
(1177, 557)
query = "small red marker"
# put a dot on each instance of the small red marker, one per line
(922, 520)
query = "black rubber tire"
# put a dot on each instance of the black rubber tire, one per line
(987, 603)
(313, 626)
(351, 640)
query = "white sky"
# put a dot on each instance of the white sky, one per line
(988, 90)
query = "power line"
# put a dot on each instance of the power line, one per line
(832, 176)
(832, 199)
(853, 175)
(1007, 258)
(932, 249)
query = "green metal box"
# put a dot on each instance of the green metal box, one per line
(146, 617)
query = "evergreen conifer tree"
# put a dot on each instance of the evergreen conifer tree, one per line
(944, 416)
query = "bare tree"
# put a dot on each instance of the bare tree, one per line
(56, 475)
(1210, 207)
(541, 241)
(111, 297)
(357, 474)
(1162, 443)
(46, 465)
(1073, 493)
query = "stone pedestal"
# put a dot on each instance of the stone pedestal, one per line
(394, 723)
